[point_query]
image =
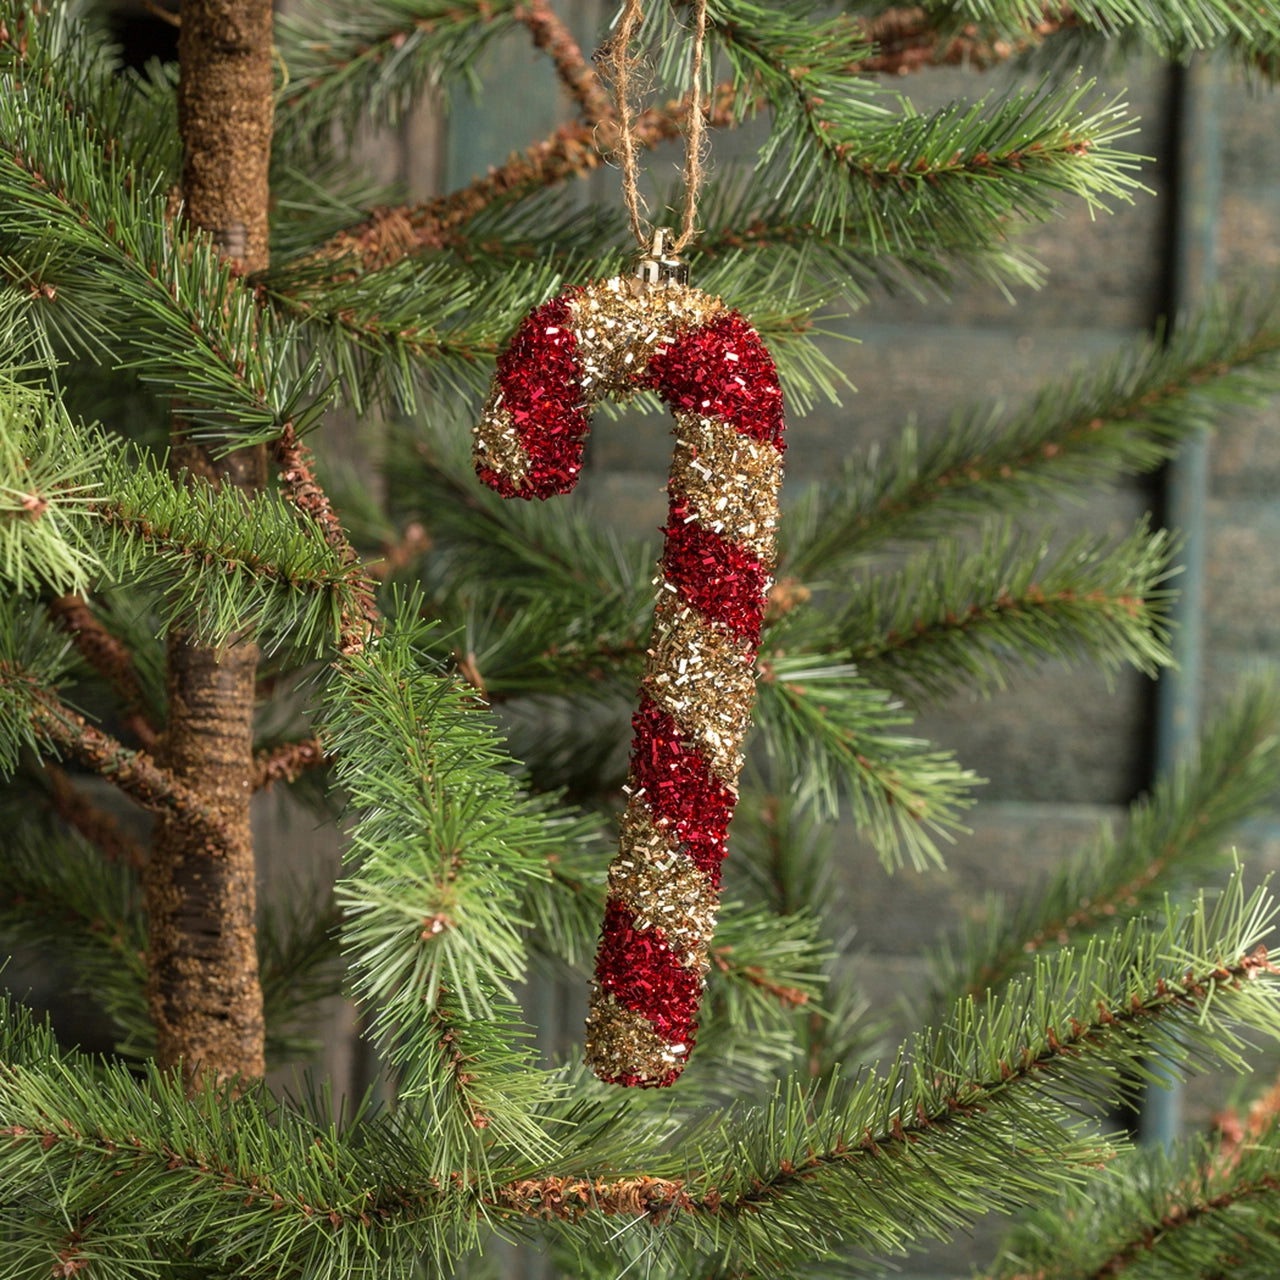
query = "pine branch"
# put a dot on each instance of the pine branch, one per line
(1015, 156)
(955, 619)
(573, 150)
(1175, 1215)
(578, 76)
(315, 199)
(1176, 29)
(1172, 838)
(54, 728)
(749, 229)
(839, 151)
(56, 46)
(358, 620)
(109, 658)
(442, 841)
(96, 232)
(767, 964)
(964, 1117)
(965, 175)
(279, 573)
(375, 341)
(33, 717)
(910, 38)
(349, 65)
(1126, 418)
(839, 737)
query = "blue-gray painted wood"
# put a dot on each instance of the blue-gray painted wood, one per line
(1197, 199)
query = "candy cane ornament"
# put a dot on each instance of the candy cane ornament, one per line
(710, 367)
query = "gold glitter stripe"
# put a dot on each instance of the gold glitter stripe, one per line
(663, 889)
(621, 1042)
(619, 324)
(730, 480)
(498, 444)
(704, 678)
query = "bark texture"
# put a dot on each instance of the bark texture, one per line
(224, 114)
(202, 967)
(202, 972)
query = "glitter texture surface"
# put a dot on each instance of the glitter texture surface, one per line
(613, 338)
(705, 680)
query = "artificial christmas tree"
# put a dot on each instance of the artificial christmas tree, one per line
(183, 566)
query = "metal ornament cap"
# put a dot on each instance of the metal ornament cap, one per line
(661, 263)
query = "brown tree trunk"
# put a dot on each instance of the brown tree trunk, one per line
(224, 115)
(202, 969)
(202, 962)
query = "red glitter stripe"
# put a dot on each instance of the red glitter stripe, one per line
(629, 1080)
(721, 370)
(643, 972)
(541, 382)
(680, 791)
(720, 579)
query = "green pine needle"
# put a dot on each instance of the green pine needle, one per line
(839, 736)
(49, 477)
(442, 841)
(1172, 838)
(956, 619)
(1091, 428)
(275, 573)
(1184, 1214)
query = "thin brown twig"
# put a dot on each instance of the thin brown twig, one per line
(109, 658)
(288, 762)
(1236, 1134)
(300, 486)
(469, 670)
(906, 40)
(577, 74)
(788, 997)
(159, 11)
(134, 773)
(98, 826)
(569, 1198)
(415, 541)
(391, 233)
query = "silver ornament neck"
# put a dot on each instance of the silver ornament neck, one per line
(661, 263)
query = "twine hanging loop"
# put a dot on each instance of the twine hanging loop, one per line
(622, 65)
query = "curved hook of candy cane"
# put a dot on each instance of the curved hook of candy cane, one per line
(713, 372)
